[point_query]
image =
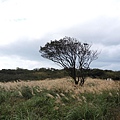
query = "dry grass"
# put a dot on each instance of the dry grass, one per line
(65, 84)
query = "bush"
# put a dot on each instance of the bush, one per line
(27, 92)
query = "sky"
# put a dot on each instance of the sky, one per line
(25, 25)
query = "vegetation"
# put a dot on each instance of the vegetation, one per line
(7, 75)
(75, 57)
(104, 74)
(34, 103)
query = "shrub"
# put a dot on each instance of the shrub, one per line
(26, 92)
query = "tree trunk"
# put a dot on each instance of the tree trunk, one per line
(76, 82)
(82, 76)
(82, 81)
(74, 75)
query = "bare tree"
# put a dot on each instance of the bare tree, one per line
(75, 57)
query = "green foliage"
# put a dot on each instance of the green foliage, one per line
(3, 95)
(84, 111)
(43, 73)
(26, 92)
(104, 74)
(7, 75)
(55, 104)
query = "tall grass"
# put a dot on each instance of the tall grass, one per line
(97, 107)
(33, 103)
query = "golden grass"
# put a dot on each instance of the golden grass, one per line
(66, 85)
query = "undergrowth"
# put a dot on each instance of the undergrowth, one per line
(55, 104)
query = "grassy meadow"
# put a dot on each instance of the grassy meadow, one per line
(60, 99)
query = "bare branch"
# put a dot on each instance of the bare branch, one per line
(71, 54)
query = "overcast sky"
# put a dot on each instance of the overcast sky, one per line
(25, 25)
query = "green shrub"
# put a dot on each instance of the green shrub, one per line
(26, 92)
(4, 96)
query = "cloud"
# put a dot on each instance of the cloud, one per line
(24, 54)
(12, 62)
(28, 24)
(103, 34)
(109, 57)
(26, 49)
(103, 30)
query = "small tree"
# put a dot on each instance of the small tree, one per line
(75, 57)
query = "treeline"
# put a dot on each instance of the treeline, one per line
(104, 74)
(7, 75)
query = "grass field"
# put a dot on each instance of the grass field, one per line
(60, 99)
(65, 84)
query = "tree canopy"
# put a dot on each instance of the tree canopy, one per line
(75, 57)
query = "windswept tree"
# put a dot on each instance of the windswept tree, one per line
(75, 57)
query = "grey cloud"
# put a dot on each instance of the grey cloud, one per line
(103, 33)
(103, 30)
(108, 58)
(25, 49)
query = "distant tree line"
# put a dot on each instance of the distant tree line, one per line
(7, 75)
(104, 74)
